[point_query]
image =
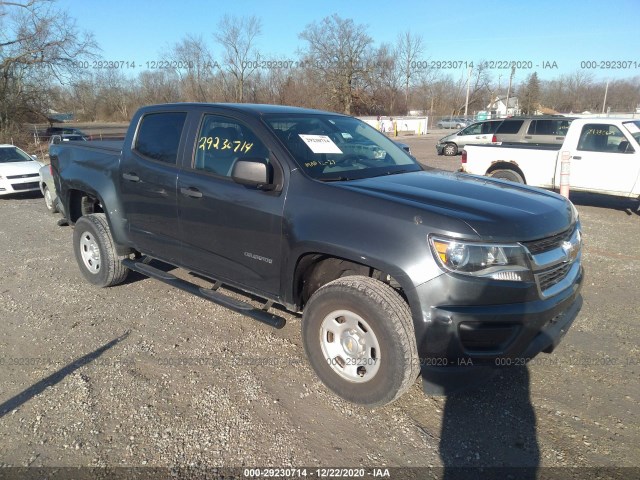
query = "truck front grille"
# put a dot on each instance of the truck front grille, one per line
(549, 243)
(549, 278)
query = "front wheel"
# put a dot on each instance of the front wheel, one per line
(359, 337)
(450, 149)
(96, 253)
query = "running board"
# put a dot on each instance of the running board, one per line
(212, 295)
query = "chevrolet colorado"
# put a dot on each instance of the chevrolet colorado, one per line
(397, 270)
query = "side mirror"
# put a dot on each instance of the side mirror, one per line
(252, 173)
(56, 139)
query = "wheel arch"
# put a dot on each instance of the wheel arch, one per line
(314, 269)
(81, 202)
(506, 165)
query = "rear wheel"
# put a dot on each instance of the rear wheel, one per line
(450, 149)
(359, 338)
(510, 175)
(95, 251)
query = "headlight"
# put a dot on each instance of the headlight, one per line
(500, 262)
(574, 211)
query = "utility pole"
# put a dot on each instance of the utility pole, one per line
(604, 103)
(466, 103)
(513, 72)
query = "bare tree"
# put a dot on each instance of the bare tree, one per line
(237, 36)
(195, 67)
(409, 52)
(38, 44)
(339, 52)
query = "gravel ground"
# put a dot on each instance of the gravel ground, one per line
(145, 375)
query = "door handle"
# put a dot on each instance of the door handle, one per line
(132, 177)
(576, 158)
(528, 136)
(191, 192)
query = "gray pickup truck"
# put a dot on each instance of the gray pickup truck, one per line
(397, 270)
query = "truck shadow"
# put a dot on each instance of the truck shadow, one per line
(491, 432)
(56, 377)
(630, 206)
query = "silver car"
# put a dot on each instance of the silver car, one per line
(48, 189)
(479, 132)
(453, 123)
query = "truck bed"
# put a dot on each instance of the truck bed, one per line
(107, 145)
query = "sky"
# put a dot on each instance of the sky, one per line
(549, 37)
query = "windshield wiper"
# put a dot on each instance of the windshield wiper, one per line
(393, 172)
(334, 179)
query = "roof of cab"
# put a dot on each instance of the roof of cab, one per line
(253, 108)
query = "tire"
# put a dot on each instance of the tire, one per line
(510, 175)
(95, 251)
(368, 316)
(49, 201)
(450, 149)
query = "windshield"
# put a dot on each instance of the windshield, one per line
(634, 129)
(13, 154)
(332, 147)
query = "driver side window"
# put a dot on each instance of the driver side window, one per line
(222, 141)
(475, 129)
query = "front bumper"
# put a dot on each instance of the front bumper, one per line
(10, 186)
(460, 344)
(440, 148)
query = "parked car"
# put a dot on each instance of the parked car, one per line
(604, 156)
(51, 131)
(48, 189)
(67, 137)
(479, 132)
(19, 171)
(397, 270)
(537, 129)
(453, 123)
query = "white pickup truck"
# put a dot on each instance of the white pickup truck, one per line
(604, 158)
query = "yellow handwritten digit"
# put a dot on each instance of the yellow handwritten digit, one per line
(237, 142)
(246, 147)
(217, 142)
(202, 142)
(226, 145)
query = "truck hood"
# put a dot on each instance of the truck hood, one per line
(496, 210)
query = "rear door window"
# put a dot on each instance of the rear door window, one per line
(158, 136)
(549, 127)
(490, 127)
(510, 126)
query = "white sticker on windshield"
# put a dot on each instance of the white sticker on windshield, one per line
(320, 143)
(632, 127)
